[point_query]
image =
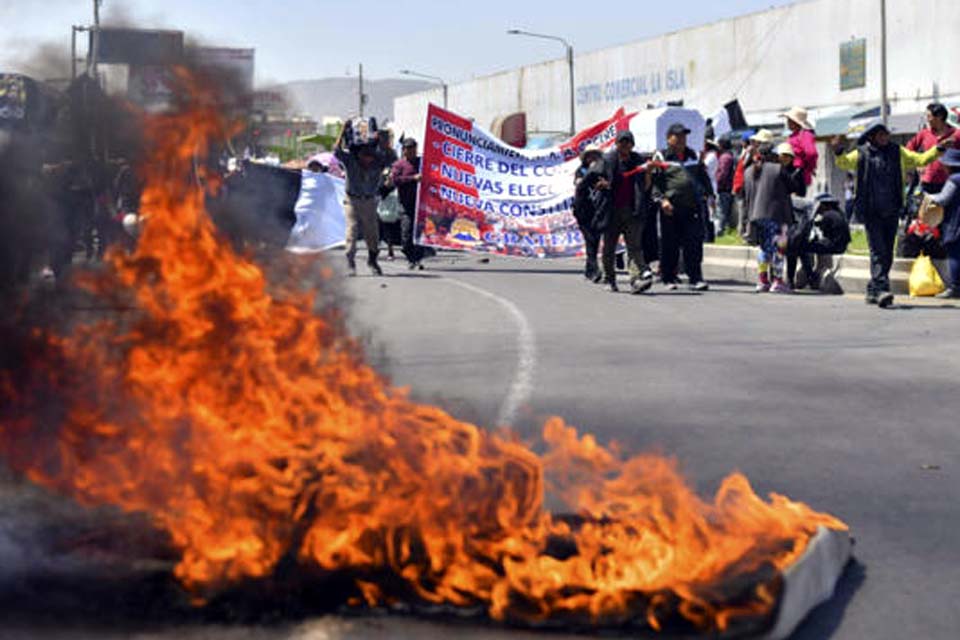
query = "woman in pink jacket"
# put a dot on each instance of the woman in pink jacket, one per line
(804, 143)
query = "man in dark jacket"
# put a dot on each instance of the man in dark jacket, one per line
(726, 165)
(880, 165)
(623, 175)
(405, 176)
(586, 202)
(681, 188)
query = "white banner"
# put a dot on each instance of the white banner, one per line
(321, 223)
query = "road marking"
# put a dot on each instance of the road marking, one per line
(522, 385)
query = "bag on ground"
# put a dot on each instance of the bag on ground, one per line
(925, 281)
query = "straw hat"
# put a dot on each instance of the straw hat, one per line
(764, 136)
(785, 149)
(590, 148)
(930, 213)
(798, 115)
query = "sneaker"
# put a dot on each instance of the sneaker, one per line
(779, 286)
(412, 266)
(885, 300)
(612, 286)
(671, 286)
(351, 267)
(699, 286)
(640, 285)
(374, 267)
(419, 266)
(949, 294)
(763, 282)
(598, 277)
(872, 298)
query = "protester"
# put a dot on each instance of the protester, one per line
(587, 203)
(363, 165)
(726, 165)
(803, 141)
(763, 136)
(681, 187)
(879, 164)
(390, 231)
(768, 183)
(937, 131)
(625, 210)
(405, 174)
(949, 199)
(849, 195)
(710, 159)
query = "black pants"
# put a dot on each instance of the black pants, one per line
(806, 259)
(651, 240)
(411, 251)
(681, 230)
(591, 246)
(881, 236)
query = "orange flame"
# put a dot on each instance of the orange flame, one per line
(249, 428)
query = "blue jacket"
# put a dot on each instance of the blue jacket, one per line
(949, 199)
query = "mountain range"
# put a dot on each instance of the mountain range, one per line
(338, 96)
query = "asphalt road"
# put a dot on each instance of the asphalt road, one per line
(852, 409)
(849, 408)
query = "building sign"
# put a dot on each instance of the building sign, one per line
(649, 85)
(139, 47)
(853, 64)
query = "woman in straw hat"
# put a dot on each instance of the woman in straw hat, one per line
(949, 199)
(803, 141)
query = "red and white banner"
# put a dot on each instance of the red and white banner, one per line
(480, 194)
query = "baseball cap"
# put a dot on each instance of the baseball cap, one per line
(677, 129)
(625, 135)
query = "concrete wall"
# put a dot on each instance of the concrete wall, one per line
(769, 60)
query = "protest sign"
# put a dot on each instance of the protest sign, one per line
(480, 194)
(320, 221)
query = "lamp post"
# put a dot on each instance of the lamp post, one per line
(884, 112)
(441, 81)
(569, 47)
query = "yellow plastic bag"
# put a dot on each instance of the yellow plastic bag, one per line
(925, 281)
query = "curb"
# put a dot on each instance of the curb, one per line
(739, 264)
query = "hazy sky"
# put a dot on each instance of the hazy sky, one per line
(320, 38)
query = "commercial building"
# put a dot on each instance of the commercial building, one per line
(821, 54)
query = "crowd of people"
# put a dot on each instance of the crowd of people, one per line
(669, 203)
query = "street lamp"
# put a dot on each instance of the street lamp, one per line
(884, 113)
(520, 32)
(441, 81)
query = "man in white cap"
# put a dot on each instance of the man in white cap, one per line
(804, 142)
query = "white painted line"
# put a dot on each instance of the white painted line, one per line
(522, 385)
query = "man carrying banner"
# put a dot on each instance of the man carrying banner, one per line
(406, 177)
(623, 174)
(363, 164)
(681, 187)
